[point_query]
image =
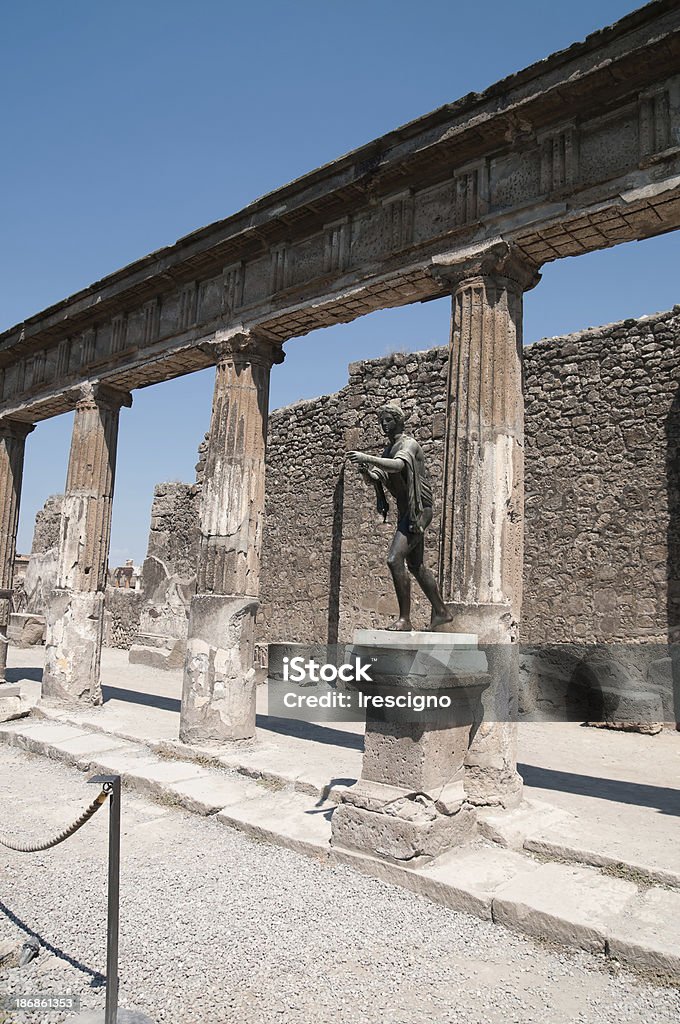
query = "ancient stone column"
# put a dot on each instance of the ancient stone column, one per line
(218, 700)
(12, 443)
(482, 533)
(75, 615)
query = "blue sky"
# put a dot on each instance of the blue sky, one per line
(128, 125)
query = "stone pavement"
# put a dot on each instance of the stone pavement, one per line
(217, 928)
(589, 860)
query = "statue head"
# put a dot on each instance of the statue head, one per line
(391, 418)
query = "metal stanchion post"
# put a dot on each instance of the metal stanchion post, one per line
(113, 913)
(112, 1015)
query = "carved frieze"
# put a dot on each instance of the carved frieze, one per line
(232, 287)
(188, 306)
(280, 267)
(559, 158)
(119, 326)
(471, 193)
(63, 358)
(655, 122)
(88, 346)
(337, 245)
(152, 319)
(398, 220)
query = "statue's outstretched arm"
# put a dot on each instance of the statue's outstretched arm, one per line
(387, 465)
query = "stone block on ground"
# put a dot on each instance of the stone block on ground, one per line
(510, 828)
(26, 630)
(608, 842)
(570, 904)
(169, 656)
(631, 711)
(10, 708)
(647, 932)
(292, 820)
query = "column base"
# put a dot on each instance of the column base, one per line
(401, 826)
(73, 647)
(218, 697)
(491, 776)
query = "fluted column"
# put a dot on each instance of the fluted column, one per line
(75, 615)
(482, 532)
(13, 436)
(218, 701)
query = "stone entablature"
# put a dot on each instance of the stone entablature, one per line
(578, 152)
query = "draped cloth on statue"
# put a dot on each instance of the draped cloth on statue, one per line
(411, 487)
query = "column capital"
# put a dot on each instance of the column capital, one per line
(244, 344)
(16, 429)
(95, 395)
(496, 259)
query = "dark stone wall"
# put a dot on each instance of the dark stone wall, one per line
(122, 609)
(602, 541)
(602, 495)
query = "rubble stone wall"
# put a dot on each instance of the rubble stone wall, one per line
(602, 540)
(122, 609)
(602, 536)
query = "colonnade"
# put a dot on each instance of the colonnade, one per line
(481, 544)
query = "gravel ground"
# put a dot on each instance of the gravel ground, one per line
(217, 928)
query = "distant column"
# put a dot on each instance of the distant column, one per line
(75, 615)
(218, 701)
(13, 436)
(482, 532)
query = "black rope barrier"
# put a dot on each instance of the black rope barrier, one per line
(66, 833)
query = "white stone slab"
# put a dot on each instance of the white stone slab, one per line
(569, 904)
(647, 933)
(413, 638)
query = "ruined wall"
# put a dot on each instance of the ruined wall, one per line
(122, 610)
(168, 577)
(602, 543)
(41, 571)
(47, 525)
(602, 489)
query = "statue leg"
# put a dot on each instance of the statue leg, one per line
(396, 562)
(427, 582)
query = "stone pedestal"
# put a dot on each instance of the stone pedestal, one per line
(410, 804)
(482, 533)
(75, 614)
(218, 697)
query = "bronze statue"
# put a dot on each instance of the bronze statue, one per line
(402, 470)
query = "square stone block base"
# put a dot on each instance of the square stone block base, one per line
(408, 834)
